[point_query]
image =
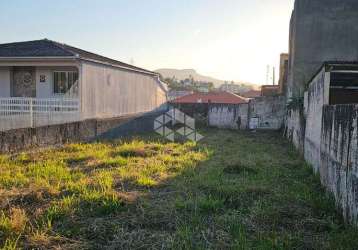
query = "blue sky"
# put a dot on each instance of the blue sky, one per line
(227, 39)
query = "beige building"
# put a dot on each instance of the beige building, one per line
(44, 82)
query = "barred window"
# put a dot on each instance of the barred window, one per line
(63, 81)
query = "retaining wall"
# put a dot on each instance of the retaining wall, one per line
(21, 139)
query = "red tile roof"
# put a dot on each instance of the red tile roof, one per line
(212, 97)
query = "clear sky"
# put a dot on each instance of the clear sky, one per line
(226, 39)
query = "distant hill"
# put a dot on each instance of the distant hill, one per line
(182, 74)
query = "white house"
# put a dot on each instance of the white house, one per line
(44, 82)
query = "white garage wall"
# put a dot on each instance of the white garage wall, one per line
(5, 77)
(112, 92)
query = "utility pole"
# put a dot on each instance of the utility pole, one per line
(267, 74)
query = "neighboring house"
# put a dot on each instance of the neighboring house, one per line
(203, 87)
(270, 90)
(252, 94)
(174, 94)
(218, 109)
(187, 82)
(230, 87)
(44, 82)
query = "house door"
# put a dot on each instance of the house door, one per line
(23, 82)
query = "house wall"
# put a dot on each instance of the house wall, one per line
(317, 96)
(111, 92)
(45, 89)
(5, 81)
(270, 110)
(339, 157)
(229, 116)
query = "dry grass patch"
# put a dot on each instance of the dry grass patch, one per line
(48, 193)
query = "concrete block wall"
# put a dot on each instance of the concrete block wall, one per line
(228, 116)
(339, 157)
(317, 96)
(295, 126)
(331, 144)
(270, 110)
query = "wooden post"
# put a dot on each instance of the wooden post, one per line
(31, 113)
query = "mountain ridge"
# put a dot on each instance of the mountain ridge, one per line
(182, 74)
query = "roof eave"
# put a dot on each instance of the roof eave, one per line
(54, 58)
(36, 58)
(121, 67)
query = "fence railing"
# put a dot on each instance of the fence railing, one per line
(21, 112)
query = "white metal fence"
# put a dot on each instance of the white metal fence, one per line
(34, 112)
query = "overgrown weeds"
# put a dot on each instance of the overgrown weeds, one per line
(233, 190)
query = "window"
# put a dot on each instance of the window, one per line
(63, 81)
(344, 88)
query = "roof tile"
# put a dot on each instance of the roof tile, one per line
(48, 48)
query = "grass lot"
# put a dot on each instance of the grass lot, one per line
(234, 190)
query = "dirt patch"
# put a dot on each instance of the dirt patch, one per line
(78, 161)
(246, 198)
(240, 169)
(128, 153)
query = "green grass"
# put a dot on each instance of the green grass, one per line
(233, 190)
